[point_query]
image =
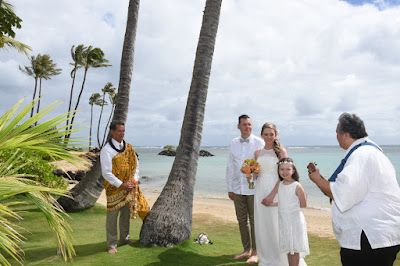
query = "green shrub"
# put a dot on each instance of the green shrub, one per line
(38, 166)
(169, 147)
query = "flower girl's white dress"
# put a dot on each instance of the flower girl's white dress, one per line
(292, 224)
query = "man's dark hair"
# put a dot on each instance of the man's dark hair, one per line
(352, 124)
(243, 117)
(114, 124)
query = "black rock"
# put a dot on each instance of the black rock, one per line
(167, 153)
(79, 175)
(204, 153)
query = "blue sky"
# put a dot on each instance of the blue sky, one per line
(298, 64)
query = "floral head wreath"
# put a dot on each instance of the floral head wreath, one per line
(287, 162)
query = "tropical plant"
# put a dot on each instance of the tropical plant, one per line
(9, 20)
(110, 90)
(95, 99)
(18, 136)
(87, 191)
(170, 220)
(77, 57)
(35, 165)
(91, 57)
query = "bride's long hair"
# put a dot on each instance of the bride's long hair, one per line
(277, 142)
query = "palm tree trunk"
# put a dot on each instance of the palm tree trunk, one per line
(98, 126)
(105, 130)
(169, 222)
(88, 190)
(90, 134)
(77, 101)
(34, 95)
(70, 95)
(128, 51)
(40, 95)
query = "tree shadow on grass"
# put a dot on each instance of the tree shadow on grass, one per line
(180, 257)
(38, 254)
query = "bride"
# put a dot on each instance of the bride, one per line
(266, 188)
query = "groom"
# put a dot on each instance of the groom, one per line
(240, 149)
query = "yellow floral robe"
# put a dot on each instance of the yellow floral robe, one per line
(124, 167)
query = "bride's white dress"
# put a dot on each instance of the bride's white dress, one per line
(266, 218)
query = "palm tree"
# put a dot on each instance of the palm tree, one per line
(92, 57)
(170, 220)
(87, 191)
(18, 136)
(77, 57)
(113, 101)
(108, 89)
(34, 70)
(10, 20)
(42, 67)
(48, 69)
(95, 99)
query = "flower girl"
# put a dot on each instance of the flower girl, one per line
(292, 225)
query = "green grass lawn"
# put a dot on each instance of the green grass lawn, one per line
(90, 243)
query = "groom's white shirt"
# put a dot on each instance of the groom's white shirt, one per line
(238, 152)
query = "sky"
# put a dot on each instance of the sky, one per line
(298, 64)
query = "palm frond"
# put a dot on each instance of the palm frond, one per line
(19, 135)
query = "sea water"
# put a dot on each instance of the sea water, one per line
(210, 177)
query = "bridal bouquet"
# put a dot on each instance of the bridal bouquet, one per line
(250, 166)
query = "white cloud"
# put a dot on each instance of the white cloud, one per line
(298, 64)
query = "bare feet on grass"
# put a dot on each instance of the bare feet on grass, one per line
(253, 258)
(112, 251)
(244, 254)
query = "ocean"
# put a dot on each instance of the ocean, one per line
(210, 178)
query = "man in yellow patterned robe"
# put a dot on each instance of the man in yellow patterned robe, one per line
(119, 167)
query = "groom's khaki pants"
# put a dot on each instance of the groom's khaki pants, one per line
(244, 207)
(111, 227)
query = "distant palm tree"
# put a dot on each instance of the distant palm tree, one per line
(92, 58)
(108, 89)
(42, 67)
(113, 100)
(10, 20)
(34, 70)
(87, 191)
(19, 135)
(77, 57)
(48, 70)
(95, 99)
(169, 222)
